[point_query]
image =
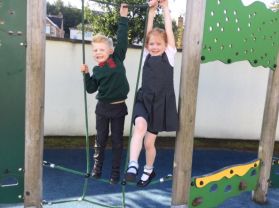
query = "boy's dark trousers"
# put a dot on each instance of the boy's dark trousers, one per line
(113, 116)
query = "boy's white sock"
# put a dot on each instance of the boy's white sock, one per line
(133, 170)
(146, 169)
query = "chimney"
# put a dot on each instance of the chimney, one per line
(180, 21)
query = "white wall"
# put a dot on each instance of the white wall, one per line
(230, 97)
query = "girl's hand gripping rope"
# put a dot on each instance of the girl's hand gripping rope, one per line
(153, 3)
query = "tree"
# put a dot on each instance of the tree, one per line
(105, 21)
(72, 16)
(275, 5)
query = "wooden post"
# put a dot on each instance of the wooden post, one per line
(268, 134)
(35, 72)
(192, 43)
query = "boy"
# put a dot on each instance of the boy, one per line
(109, 78)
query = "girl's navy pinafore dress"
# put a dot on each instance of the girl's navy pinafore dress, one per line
(156, 98)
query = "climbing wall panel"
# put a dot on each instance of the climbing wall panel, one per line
(274, 175)
(12, 98)
(213, 189)
(234, 32)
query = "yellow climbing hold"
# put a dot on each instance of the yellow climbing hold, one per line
(229, 172)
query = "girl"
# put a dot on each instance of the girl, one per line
(155, 107)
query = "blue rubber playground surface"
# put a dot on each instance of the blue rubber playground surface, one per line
(60, 185)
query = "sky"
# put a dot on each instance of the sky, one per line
(177, 7)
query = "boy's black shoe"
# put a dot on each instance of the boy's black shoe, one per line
(142, 183)
(96, 175)
(96, 172)
(114, 180)
(114, 177)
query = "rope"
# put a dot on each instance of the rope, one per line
(86, 175)
(44, 202)
(85, 107)
(131, 123)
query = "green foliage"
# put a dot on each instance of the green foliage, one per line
(105, 22)
(72, 16)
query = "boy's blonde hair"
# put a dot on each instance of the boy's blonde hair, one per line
(99, 38)
(157, 32)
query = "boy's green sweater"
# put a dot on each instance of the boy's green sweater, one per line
(110, 79)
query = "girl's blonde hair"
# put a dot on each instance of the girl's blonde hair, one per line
(156, 32)
(99, 38)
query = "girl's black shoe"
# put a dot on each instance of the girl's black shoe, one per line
(142, 183)
(131, 177)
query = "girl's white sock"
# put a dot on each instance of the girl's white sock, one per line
(146, 169)
(133, 170)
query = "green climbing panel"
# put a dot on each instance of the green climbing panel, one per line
(234, 32)
(12, 99)
(274, 175)
(213, 189)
